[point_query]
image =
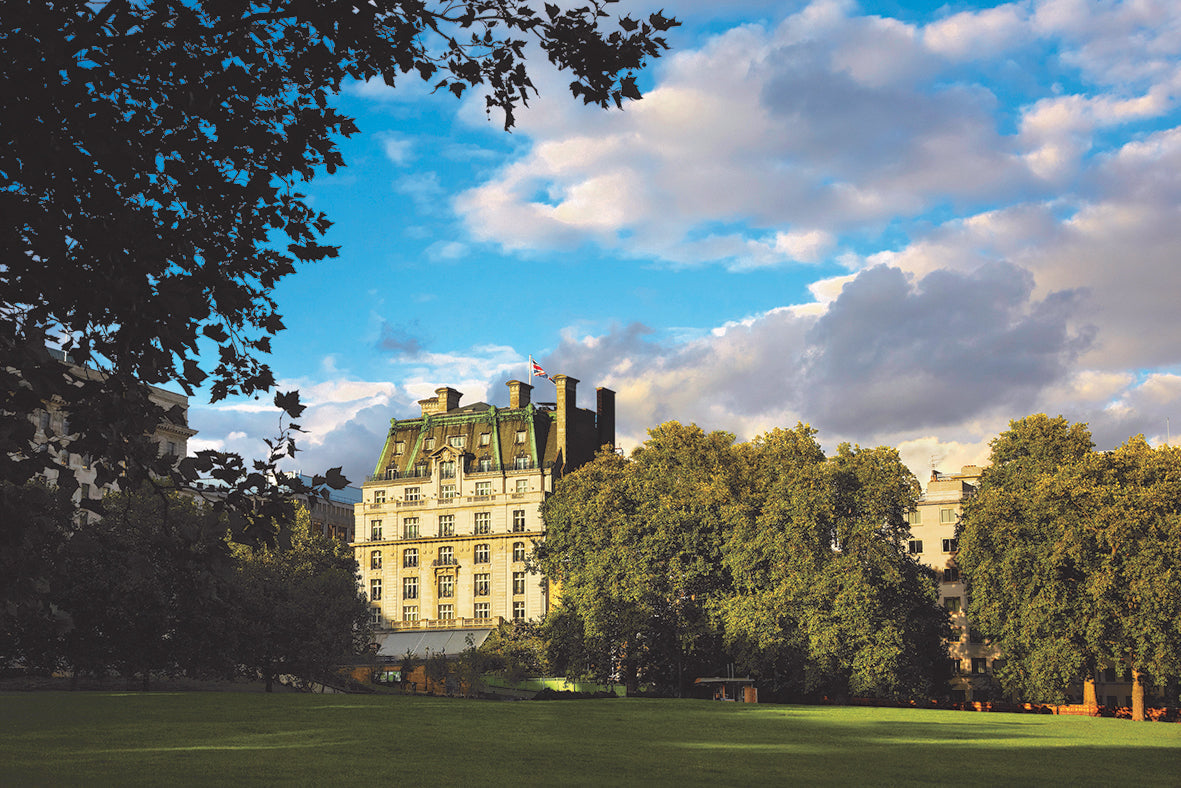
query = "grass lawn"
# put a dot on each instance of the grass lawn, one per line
(229, 738)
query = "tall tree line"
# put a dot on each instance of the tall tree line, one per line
(155, 588)
(697, 553)
(1072, 559)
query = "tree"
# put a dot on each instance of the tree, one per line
(149, 166)
(636, 546)
(1070, 556)
(298, 610)
(826, 599)
(410, 663)
(437, 670)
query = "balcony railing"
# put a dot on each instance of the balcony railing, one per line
(447, 623)
(390, 475)
(444, 562)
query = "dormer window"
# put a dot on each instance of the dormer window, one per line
(399, 447)
(456, 440)
(485, 438)
(522, 436)
(429, 444)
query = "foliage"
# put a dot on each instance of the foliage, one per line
(516, 649)
(696, 552)
(636, 546)
(437, 670)
(153, 588)
(410, 663)
(299, 609)
(826, 599)
(1069, 556)
(149, 167)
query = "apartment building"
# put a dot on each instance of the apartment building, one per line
(451, 514)
(933, 542)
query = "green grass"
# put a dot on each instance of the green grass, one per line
(90, 738)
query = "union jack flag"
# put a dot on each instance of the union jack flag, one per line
(535, 369)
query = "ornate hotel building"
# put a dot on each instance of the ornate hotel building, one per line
(451, 513)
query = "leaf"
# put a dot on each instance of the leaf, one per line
(289, 403)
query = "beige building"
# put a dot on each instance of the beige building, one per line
(452, 512)
(172, 439)
(933, 542)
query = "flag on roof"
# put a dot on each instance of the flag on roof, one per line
(535, 369)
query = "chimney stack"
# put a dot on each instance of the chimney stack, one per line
(605, 420)
(567, 403)
(445, 399)
(518, 394)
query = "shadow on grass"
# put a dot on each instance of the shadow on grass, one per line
(214, 738)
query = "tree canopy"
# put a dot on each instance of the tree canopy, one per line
(697, 552)
(1070, 557)
(150, 162)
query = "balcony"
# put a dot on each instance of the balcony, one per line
(447, 623)
(444, 562)
(391, 475)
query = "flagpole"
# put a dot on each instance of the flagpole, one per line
(530, 370)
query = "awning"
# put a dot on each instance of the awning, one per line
(449, 641)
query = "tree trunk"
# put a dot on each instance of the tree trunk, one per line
(1089, 699)
(1137, 696)
(270, 682)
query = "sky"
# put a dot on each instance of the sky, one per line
(904, 223)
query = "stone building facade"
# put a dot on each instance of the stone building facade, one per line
(451, 513)
(933, 542)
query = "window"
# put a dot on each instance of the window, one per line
(485, 438)
(456, 440)
(379, 496)
(522, 485)
(947, 515)
(172, 449)
(422, 469)
(399, 447)
(483, 489)
(522, 436)
(446, 612)
(413, 494)
(375, 559)
(519, 610)
(375, 616)
(952, 603)
(447, 469)
(480, 554)
(428, 444)
(955, 667)
(483, 610)
(43, 420)
(951, 545)
(522, 462)
(410, 612)
(915, 517)
(446, 586)
(483, 584)
(518, 551)
(979, 665)
(374, 530)
(446, 556)
(446, 525)
(518, 521)
(951, 574)
(410, 528)
(914, 546)
(484, 464)
(410, 588)
(375, 589)
(446, 492)
(518, 582)
(410, 557)
(483, 523)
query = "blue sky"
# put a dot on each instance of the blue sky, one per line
(903, 223)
